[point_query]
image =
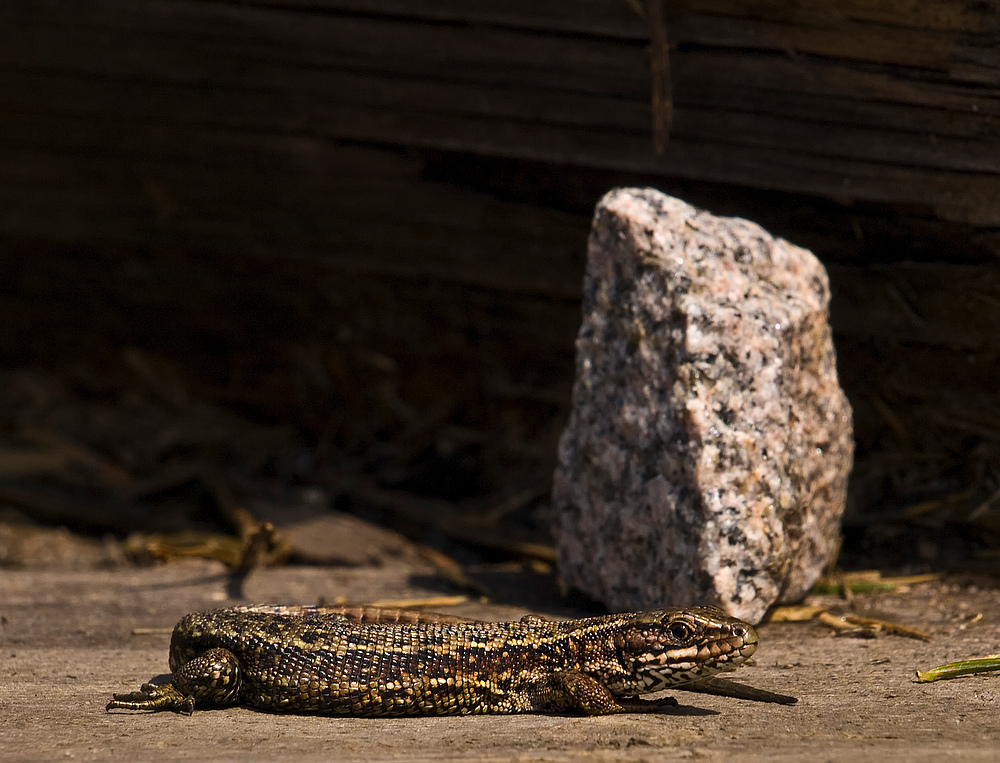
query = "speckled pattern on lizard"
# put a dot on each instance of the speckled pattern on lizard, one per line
(370, 662)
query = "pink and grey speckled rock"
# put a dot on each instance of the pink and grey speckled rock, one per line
(707, 453)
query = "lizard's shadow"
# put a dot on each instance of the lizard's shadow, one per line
(689, 710)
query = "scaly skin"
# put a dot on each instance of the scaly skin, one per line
(364, 662)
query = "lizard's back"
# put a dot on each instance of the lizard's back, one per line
(315, 662)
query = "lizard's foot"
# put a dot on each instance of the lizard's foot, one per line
(150, 697)
(574, 691)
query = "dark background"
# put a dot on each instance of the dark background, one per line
(340, 245)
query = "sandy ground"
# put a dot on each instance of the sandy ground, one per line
(67, 643)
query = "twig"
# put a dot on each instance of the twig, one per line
(427, 601)
(844, 628)
(888, 627)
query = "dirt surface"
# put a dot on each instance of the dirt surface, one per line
(67, 643)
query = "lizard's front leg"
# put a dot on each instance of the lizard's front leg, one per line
(572, 690)
(212, 678)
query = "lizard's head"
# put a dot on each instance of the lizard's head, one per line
(671, 647)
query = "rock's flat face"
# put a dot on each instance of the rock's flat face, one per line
(707, 453)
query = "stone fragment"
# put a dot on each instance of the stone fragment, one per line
(706, 456)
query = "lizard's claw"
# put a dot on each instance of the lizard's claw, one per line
(153, 698)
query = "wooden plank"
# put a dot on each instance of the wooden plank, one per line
(919, 304)
(761, 120)
(938, 15)
(227, 45)
(598, 18)
(395, 49)
(953, 195)
(620, 18)
(859, 126)
(327, 203)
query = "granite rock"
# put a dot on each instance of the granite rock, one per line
(706, 457)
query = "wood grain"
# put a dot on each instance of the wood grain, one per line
(877, 102)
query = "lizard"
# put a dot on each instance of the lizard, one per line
(359, 661)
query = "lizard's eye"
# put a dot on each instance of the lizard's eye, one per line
(679, 631)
